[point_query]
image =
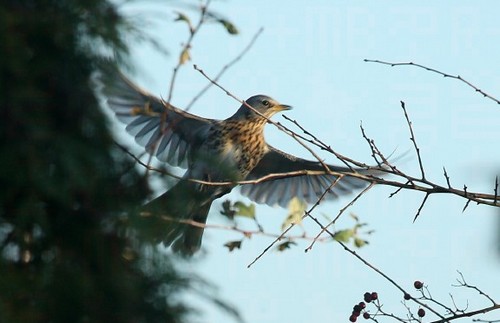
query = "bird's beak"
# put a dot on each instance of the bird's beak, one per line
(283, 107)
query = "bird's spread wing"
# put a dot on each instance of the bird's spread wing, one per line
(306, 187)
(165, 131)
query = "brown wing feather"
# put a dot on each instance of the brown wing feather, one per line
(306, 187)
(143, 113)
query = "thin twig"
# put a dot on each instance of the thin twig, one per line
(246, 233)
(413, 140)
(341, 211)
(320, 144)
(226, 67)
(186, 47)
(286, 130)
(389, 279)
(468, 314)
(463, 283)
(447, 178)
(192, 33)
(306, 213)
(457, 77)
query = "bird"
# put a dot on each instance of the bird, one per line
(229, 151)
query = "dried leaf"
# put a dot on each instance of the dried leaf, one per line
(231, 245)
(184, 57)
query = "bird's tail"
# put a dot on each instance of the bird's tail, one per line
(183, 211)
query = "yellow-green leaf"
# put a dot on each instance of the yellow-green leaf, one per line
(343, 235)
(244, 210)
(296, 209)
(360, 242)
(182, 17)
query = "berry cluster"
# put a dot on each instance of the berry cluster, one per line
(373, 296)
(360, 307)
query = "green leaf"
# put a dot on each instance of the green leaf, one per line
(244, 210)
(343, 235)
(296, 209)
(230, 27)
(231, 245)
(182, 17)
(285, 245)
(360, 242)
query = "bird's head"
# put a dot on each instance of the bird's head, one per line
(265, 105)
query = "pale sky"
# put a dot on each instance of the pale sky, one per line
(310, 56)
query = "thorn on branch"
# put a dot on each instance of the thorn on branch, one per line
(496, 190)
(447, 178)
(421, 206)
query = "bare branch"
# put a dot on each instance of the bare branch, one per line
(463, 283)
(186, 47)
(341, 211)
(245, 233)
(413, 140)
(226, 67)
(389, 279)
(457, 77)
(286, 130)
(306, 213)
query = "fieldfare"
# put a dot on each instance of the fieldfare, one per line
(229, 150)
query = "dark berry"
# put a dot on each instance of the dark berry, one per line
(367, 297)
(418, 284)
(354, 313)
(353, 318)
(366, 315)
(407, 296)
(374, 296)
(421, 312)
(362, 305)
(357, 308)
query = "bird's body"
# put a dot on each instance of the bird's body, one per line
(228, 150)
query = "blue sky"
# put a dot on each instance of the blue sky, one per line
(310, 56)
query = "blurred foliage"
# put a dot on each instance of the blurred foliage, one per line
(296, 210)
(64, 182)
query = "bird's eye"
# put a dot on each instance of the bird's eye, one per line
(266, 103)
